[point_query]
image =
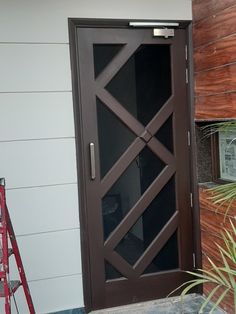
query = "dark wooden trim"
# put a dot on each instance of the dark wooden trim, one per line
(120, 264)
(164, 113)
(157, 285)
(157, 244)
(73, 24)
(139, 207)
(118, 23)
(193, 152)
(120, 111)
(163, 153)
(119, 167)
(86, 274)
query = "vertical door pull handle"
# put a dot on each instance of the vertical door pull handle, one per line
(92, 161)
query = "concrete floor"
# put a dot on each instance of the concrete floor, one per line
(191, 305)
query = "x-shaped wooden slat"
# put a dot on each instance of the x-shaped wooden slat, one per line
(138, 129)
(149, 254)
(138, 209)
(145, 137)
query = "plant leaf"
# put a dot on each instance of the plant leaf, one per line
(179, 287)
(213, 276)
(231, 278)
(194, 284)
(219, 300)
(208, 299)
(219, 272)
(209, 276)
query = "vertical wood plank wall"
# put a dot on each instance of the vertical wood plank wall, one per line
(214, 39)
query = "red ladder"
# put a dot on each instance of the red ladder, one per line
(7, 287)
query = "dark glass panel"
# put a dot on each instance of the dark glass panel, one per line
(114, 137)
(103, 54)
(165, 134)
(148, 226)
(143, 84)
(167, 258)
(129, 188)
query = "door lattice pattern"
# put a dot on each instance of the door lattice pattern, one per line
(144, 113)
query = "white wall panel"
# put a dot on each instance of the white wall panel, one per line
(34, 163)
(51, 295)
(46, 21)
(43, 209)
(36, 115)
(26, 67)
(49, 255)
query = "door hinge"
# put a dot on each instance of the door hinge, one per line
(189, 139)
(186, 52)
(194, 260)
(186, 75)
(191, 200)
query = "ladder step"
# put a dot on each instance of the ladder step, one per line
(14, 285)
(10, 252)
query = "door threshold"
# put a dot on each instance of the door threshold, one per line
(191, 305)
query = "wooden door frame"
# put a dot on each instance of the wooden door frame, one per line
(96, 23)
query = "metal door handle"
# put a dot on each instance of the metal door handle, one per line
(92, 161)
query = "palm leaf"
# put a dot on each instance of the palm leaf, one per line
(214, 276)
(231, 278)
(209, 298)
(217, 270)
(230, 251)
(219, 300)
(231, 271)
(181, 286)
(196, 282)
(210, 276)
(220, 277)
(225, 126)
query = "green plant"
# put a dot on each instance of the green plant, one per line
(224, 194)
(223, 277)
(224, 126)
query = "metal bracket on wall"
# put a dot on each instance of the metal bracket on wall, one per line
(163, 32)
(160, 29)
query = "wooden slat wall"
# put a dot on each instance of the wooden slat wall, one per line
(214, 39)
(213, 220)
(205, 8)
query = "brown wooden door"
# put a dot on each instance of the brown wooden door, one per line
(134, 173)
